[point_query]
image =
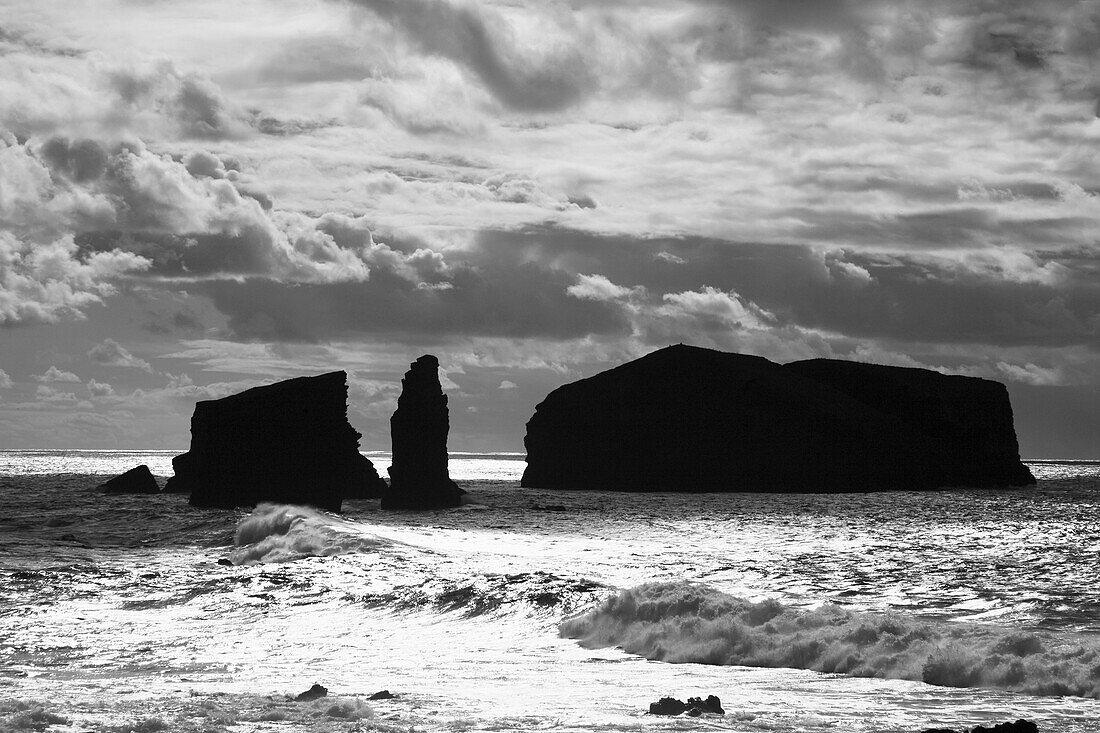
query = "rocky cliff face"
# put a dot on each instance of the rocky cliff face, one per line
(287, 442)
(691, 419)
(418, 431)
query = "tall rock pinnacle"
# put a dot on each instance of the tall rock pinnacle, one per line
(418, 430)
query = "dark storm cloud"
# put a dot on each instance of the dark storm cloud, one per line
(491, 292)
(475, 40)
(906, 297)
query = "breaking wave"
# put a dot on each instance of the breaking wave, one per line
(283, 532)
(688, 622)
(534, 594)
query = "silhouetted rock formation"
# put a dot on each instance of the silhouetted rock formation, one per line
(691, 419)
(138, 480)
(418, 430)
(286, 442)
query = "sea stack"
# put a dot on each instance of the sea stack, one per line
(418, 430)
(690, 419)
(288, 442)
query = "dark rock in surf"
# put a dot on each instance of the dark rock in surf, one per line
(691, 419)
(418, 431)
(382, 695)
(711, 705)
(312, 693)
(138, 480)
(694, 706)
(286, 442)
(667, 706)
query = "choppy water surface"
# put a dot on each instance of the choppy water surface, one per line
(546, 610)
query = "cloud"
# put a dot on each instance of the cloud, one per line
(711, 304)
(99, 389)
(1029, 374)
(482, 42)
(49, 394)
(111, 353)
(507, 384)
(598, 287)
(5, 380)
(53, 374)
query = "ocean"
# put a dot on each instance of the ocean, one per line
(545, 610)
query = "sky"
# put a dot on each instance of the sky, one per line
(200, 197)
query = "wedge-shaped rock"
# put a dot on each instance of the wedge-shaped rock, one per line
(138, 480)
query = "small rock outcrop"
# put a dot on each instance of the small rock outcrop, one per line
(691, 419)
(312, 693)
(287, 442)
(138, 480)
(694, 707)
(418, 431)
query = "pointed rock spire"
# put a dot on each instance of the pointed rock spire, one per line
(418, 430)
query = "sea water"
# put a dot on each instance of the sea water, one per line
(541, 610)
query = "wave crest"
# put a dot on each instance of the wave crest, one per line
(689, 622)
(282, 532)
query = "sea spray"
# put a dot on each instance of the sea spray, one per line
(691, 622)
(282, 532)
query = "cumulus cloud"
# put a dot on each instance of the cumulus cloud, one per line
(5, 380)
(711, 304)
(99, 389)
(1029, 373)
(598, 287)
(45, 393)
(507, 384)
(112, 353)
(53, 374)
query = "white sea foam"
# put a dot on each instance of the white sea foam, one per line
(282, 532)
(690, 622)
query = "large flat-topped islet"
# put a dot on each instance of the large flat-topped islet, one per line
(685, 418)
(287, 442)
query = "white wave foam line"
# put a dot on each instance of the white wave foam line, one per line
(688, 622)
(282, 532)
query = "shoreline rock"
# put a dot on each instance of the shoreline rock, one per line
(287, 442)
(690, 419)
(418, 431)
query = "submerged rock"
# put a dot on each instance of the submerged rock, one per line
(287, 442)
(691, 419)
(138, 480)
(418, 431)
(312, 693)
